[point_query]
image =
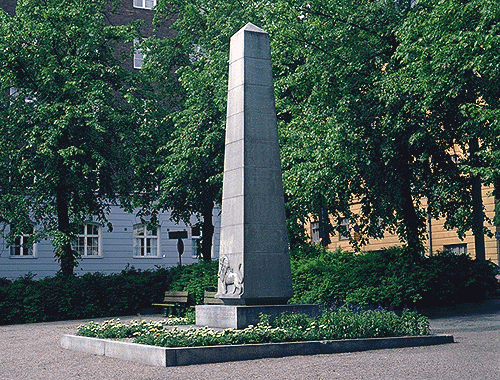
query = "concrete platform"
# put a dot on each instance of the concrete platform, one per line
(241, 316)
(181, 356)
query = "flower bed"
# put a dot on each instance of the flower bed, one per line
(342, 323)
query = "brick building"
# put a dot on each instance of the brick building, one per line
(129, 10)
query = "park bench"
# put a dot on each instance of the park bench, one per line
(173, 300)
(210, 299)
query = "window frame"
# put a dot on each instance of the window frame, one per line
(196, 236)
(84, 253)
(138, 55)
(144, 4)
(13, 92)
(140, 248)
(24, 252)
(315, 232)
(456, 249)
(345, 223)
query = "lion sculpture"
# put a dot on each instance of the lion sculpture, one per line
(228, 277)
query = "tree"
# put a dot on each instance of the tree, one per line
(65, 120)
(449, 61)
(356, 127)
(191, 175)
(334, 57)
(328, 60)
(375, 95)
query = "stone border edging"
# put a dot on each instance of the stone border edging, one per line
(178, 356)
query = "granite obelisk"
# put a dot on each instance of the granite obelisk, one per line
(254, 263)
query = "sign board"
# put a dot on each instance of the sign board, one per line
(178, 235)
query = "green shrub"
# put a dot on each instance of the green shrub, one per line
(195, 278)
(452, 279)
(392, 277)
(96, 295)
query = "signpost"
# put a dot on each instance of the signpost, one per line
(179, 235)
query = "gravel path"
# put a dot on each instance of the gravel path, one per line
(32, 351)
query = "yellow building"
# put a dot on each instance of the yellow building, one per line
(437, 238)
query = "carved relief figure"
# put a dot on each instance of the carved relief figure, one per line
(228, 277)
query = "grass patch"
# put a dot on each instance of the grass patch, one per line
(340, 323)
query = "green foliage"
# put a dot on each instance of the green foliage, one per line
(303, 251)
(194, 64)
(392, 277)
(96, 295)
(63, 118)
(331, 58)
(370, 97)
(445, 79)
(342, 323)
(320, 279)
(452, 279)
(195, 278)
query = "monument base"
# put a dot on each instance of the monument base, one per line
(241, 316)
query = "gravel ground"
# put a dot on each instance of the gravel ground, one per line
(32, 351)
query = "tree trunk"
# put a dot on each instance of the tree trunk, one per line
(477, 204)
(62, 244)
(411, 222)
(207, 232)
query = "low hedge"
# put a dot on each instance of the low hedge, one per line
(96, 295)
(391, 278)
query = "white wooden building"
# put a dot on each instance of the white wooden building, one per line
(129, 244)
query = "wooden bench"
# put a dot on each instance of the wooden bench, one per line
(210, 299)
(173, 300)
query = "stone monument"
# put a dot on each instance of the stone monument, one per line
(254, 265)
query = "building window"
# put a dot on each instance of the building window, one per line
(196, 53)
(138, 56)
(457, 249)
(145, 4)
(196, 239)
(344, 230)
(14, 93)
(21, 246)
(87, 241)
(146, 241)
(196, 231)
(315, 238)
